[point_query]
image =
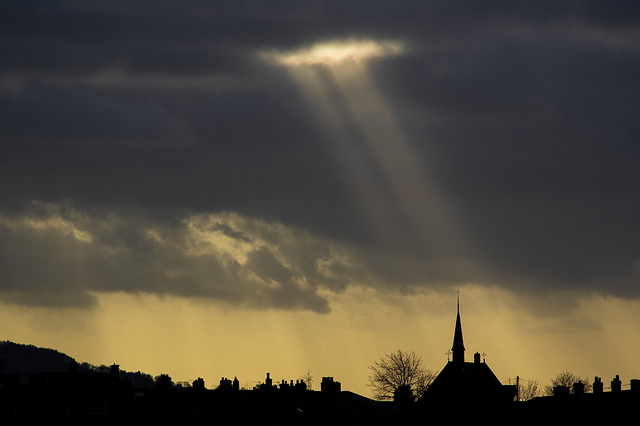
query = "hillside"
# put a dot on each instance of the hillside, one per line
(27, 359)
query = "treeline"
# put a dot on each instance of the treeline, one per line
(138, 379)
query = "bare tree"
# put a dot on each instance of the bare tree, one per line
(397, 369)
(567, 378)
(527, 388)
(308, 379)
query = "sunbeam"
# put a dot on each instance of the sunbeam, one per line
(391, 187)
(337, 125)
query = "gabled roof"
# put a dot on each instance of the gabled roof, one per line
(465, 380)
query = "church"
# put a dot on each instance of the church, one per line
(468, 384)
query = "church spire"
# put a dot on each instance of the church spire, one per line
(458, 344)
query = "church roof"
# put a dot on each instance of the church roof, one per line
(465, 379)
(460, 380)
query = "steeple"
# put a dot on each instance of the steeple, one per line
(458, 344)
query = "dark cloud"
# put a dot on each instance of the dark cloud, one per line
(524, 116)
(55, 255)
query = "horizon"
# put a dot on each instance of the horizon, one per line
(252, 369)
(228, 189)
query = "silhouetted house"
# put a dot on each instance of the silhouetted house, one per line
(225, 385)
(198, 385)
(267, 385)
(163, 383)
(75, 396)
(466, 384)
(403, 395)
(616, 384)
(300, 386)
(598, 407)
(598, 386)
(330, 385)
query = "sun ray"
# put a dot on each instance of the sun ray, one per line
(390, 185)
(366, 194)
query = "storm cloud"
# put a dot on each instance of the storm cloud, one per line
(153, 148)
(54, 255)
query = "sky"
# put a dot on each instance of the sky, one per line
(228, 188)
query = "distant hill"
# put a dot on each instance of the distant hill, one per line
(28, 359)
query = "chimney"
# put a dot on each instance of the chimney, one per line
(268, 381)
(616, 384)
(476, 358)
(561, 391)
(578, 388)
(598, 386)
(115, 370)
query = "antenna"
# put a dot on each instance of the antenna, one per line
(458, 294)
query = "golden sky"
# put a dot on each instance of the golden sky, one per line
(188, 339)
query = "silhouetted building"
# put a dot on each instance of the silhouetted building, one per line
(198, 385)
(267, 385)
(268, 382)
(458, 342)
(561, 391)
(599, 407)
(225, 385)
(616, 384)
(104, 397)
(465, 384)
(330, 385)
(299, 386)
(403, 395)
(164, 383)
(74, 396)
(578, 388)
(114, 370)
(598, 386)
(462, 392)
